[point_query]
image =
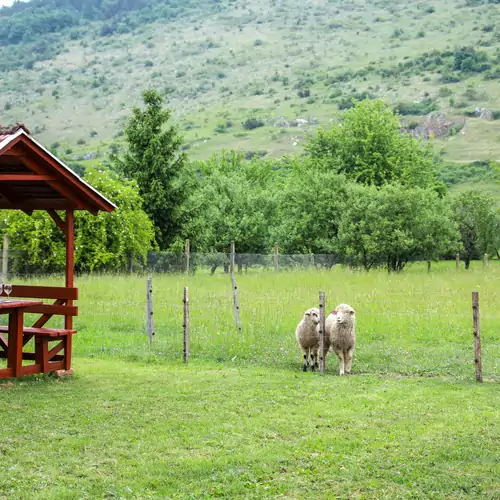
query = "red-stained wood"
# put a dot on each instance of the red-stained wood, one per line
(3, 343)
(44, 292)
(56, 204)
(68, 351)
(13, 304)
(59, 222)
(30, 369)
(51, 309)
(90, 199)
(15, 354)
(25, 178)
(58, 348)
(36, 180)
(6, 373)
(42, 332)
(70, 264)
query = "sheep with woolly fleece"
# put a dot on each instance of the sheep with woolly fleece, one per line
(341, 332)
(307, 335)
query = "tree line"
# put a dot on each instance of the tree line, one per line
(362, 190)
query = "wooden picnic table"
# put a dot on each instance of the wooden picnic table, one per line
(14, 346)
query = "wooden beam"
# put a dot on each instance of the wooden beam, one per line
(40, 205)
(59, 222)
(14, 198)
(70, 249)
(91, 197)
(70, 269)
(58, 186)
(25, 178)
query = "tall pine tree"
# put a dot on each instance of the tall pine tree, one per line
(155, 161)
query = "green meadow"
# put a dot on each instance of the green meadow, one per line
(241, 420)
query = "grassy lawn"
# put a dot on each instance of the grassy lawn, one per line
(128, 430)
(242, 420)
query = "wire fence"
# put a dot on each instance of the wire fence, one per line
(408, 328)
(415, 323)
(16, 263)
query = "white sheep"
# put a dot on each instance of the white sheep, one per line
(340, 330)
(307, 335)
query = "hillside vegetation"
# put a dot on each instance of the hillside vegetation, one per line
(257, 75)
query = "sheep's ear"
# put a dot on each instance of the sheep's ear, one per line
(307, 314)
(334, 311)
(352, 311)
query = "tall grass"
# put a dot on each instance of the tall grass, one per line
(407, 323)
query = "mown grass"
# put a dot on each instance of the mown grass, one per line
(132, 430)
(242, 420)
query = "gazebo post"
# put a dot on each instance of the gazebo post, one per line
(70, 267)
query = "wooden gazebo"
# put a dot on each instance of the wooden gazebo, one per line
(32, 178)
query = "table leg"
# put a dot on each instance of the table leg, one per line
(15, 357)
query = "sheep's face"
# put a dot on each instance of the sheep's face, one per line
(344, 314)
(312, 315)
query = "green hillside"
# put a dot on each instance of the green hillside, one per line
(255, 75)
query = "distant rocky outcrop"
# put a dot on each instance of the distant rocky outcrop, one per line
(435, 124)
(301, 121)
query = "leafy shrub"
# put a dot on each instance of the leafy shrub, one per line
(416, 108)
(469, 60)
(249, 155)
(349, 101)
(445, 92)
(495, 115)
(252, 123)
(450, 78)
(302, 93)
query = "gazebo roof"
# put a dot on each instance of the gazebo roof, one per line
(32, 178)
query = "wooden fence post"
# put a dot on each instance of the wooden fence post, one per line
(235, 288)
(477, 336)
(485, 260)
(5, 259)
(428, 266)
(321, 331)
(186, 256)
(231, 258)
(276, 263)
(457, 261)
(186, 324)
(149, 309)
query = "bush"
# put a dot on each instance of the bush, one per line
(450, 78)
(445, 92)
(252, 123)
(302, 93)
(495, 115)
(416, 108)
(349, 101)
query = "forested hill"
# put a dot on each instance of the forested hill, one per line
(255, 75)
(30, 21)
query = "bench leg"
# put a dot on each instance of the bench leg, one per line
(68, 348)
(42, 354)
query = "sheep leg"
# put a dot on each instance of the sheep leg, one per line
(348, 360)
(340, 355)
(313, 360)
(304, 368)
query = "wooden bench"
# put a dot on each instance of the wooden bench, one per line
(48, 357)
